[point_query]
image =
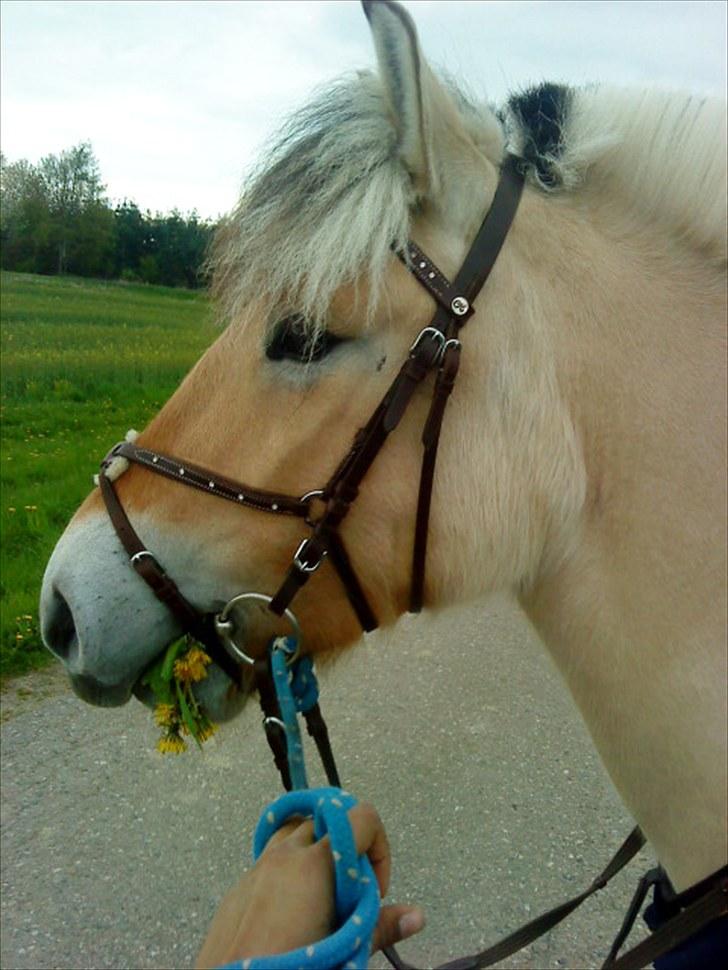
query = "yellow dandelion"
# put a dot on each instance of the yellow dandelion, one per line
(171, 744)
(207, 732)
(165, 715)
(191, 667)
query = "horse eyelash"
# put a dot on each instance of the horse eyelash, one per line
(291, 341)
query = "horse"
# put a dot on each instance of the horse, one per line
(582, 462)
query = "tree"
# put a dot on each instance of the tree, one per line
(25, 221)
(55, 218)
(131, 240)
(72, 186)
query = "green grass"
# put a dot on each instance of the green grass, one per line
(82, 361)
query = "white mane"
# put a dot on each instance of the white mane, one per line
(330, 196)
(323, 208)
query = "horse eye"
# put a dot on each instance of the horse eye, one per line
(291, 341)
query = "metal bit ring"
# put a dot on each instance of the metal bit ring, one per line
(225, 627)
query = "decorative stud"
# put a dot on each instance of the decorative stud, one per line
(181, 471)
(274, 506)
(422, 265)
(460, 306)
(241, 498)
(155, 459)
(431, 276)
(211, 484)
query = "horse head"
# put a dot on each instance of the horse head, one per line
(582, 463)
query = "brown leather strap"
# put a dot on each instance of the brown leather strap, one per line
(357, 597)
(191, 620)
(203, 479)
(430, 276)
(712, 904)
(273, 726)
(320, 733)
(430, 439)
(542, 924)
(492, 234)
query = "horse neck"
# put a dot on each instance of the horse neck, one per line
(632, 607)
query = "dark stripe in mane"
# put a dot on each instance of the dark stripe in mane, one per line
(540, 114)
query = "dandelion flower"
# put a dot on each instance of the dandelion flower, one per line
(207, 732)
(171, 744)
(191, 667)
(165, 715)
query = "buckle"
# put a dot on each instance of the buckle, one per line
(439, 338)
(308, 498)
(141, 554)
(300, 563)
(111, 454)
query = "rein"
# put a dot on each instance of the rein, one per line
(287, 686)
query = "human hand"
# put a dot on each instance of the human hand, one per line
(286, 900)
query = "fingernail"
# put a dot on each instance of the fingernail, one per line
(411, 923)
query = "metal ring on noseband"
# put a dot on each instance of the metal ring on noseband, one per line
(224, 627)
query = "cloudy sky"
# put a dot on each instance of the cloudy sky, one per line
(177, 96)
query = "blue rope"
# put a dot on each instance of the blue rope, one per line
(356, 890)
(297, 690)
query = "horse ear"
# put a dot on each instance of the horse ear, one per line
(410, 87)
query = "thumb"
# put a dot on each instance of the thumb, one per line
(397, 923)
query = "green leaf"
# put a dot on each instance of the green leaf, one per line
(188, 718)
(173, 652)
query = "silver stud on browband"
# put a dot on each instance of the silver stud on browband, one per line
(431, 276)
(181, 471)
(460, 306)
(211, 484)
(422, 265)
(274, 506)
(241, 498)
(155, 459)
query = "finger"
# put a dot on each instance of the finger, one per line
(297, 831)
(370, 837)
(397, 923)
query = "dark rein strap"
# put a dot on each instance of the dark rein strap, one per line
(703, 903)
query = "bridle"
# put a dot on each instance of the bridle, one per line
(436, 348)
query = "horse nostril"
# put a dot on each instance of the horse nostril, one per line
(59, 630)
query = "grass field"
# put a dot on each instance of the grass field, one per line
(82, 362)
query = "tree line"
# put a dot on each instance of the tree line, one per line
(55, 218)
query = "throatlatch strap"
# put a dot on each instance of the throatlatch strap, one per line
(430, 439)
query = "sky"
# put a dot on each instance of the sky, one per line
(178, 96)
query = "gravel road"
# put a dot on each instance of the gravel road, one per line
(457, 728)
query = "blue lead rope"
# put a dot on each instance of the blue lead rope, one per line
(297, 692)
(356, 890)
